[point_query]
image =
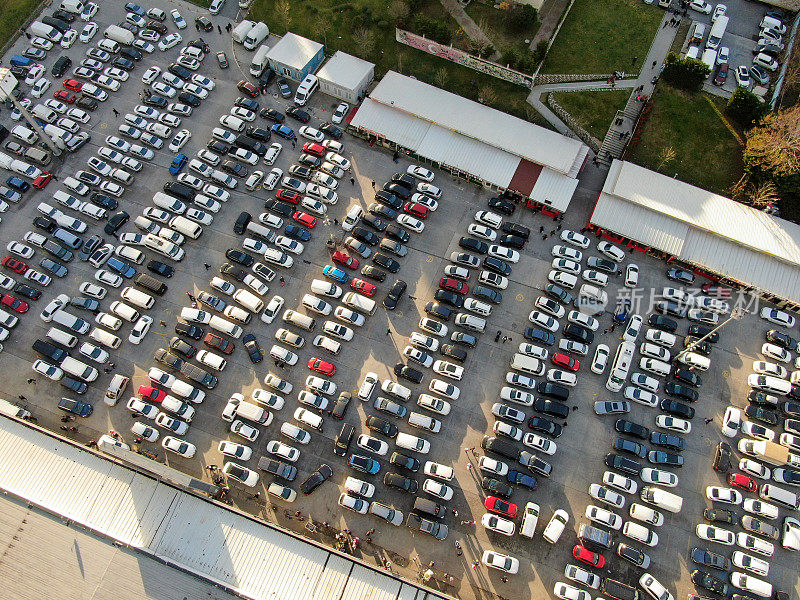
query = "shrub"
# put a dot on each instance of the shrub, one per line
(746, 108)
(432, 28)
(685, 73)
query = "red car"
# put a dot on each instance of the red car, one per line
(65, 96)
(362, 286)
(345, 260)
(287, 195)
(565, 362)
(314, 149)
(216, 342)
(453, 285)
(585, 555)
(743, 481)
(148, 392)
(501, 507)
(305, 219)
(321, 366)
(42, 180)
(248, 88)
(14, 304)
(416, 209)
(73, 84)
(9, 262)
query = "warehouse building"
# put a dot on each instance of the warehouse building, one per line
(295, 56)
(525, 162)
(710, 234)
(346, 77)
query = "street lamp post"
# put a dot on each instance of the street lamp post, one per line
(7, 84)
(737, 314)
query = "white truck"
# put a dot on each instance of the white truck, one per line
(255, 36)
(118, 34)
(241, 30)
(259, 63)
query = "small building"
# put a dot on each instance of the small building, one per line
(346, 77)
(295, 56)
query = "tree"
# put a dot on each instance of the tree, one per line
(432, 28)
(365, 41)
(666, 156)
(283, 12)
(520, 17)
(746, 108)
(685, 73)
(398, 12)
(321, 28)
(441, 76)
(487, 95)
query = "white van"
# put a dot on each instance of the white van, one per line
(259, 230)
(259, 62)
(662, 499)
(783, 497)
(48, 32)
(255, 36)
(470, 322)
(116, 388)
(306, 417)
(359, 303)
(556, 526)
(130, 253)
(529, 520)
(241, 30)
(305, 90)
(425, 422)
(253, 413)
(12, 410)
(527, 364)
(62, 337)
(237, 314)
(643, 513)
(211, 359)
(61, 317)
(186, 227)
(640, 533)
(45, 113)
(137, 298)
(124, 311)
(709, 59)
(38, 155)
(695, 360)
(656, 367)
(119, 35)
(326, 288)
(249, 300)
(73, 6)
(751, 584)
(109, 340)
(24, 134)
(299, 319)
(225, 326)
(79, 369)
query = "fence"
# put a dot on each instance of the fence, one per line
(562, 113)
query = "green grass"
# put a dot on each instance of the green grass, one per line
(707, 152)
(336, 24)
(606, 36)
(14, 14)
(594, 110)
(491, 21)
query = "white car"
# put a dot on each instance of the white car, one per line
(600, 359)
(779, 317)
(603, 516)
(750, 563)
(551, 307)
(282, 450)
(603, 494)
(420, 173)
(566, 266)
(754, 468)
(492, 465)
(760, 508)
(88, 32)
(776, 352)
(411, 223)
(311, 134)
(180, 139)
(575, 238)
(503, 253)
(620, 482)
(498, 524)
(178, 446)
(569, 592)
(20, 249)
(673, 424)
(241, 474)
(701, 6)
(749, 542)
(448, 369)
(611, 251)
(140, 329)
(711, 533)
(559, 251)
(757, 431)
(340, 113)
(654, 588)
(352, 503)
(767, 368)
(731, 421)
(145, 431)
(544, 321)
(582, 576)
(631, 276)
(169, 41)
(659, 477)
(235, 450)
(501, 562)
(437, 489)
(721, 494)
(504, 429)
(482, 232)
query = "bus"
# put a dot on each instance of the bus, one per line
(620, 366)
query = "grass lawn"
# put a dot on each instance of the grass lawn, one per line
(707, 153)
(491, 21)
(601, 37)
(337, 24)
(15, 12)
(594, 110)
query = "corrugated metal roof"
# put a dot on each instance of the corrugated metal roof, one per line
(554, 189)
(402, 128)
(346, 70)
(294, 50)
(468, 155)
(220, 545)
(579, 160)
(479, 122)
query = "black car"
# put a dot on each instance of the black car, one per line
(473, 245)
(681, 391)
(709, 582)
(131, 54)
(632, 555)
(298, 114)
(200, 44)
(501, 205)
(558, 293)
(522, 479)
(667, 440)
(252, 144)
(75, 407)
(204, 23)
(398, 233)
(511, 228)
(545, 426)
(151, 99)
(27, 291)
(511, 241)
(680, 276)
(259, 133)
(761, 414)
(781, 339)
(279, 208)
(703, 348)
(500, 446)
(663, 323)
(453, 352)
(659, 457)
(182, 348)
(64, 15)
(630, 447)
(678, 409)
(115, 222)
(60, 66)
(331, 130)
(232, 271)
(632, 429)
(719, 515)
(240, 257)
(254, 351)
(381, 426)
(160, 268)
(241, 223)
(578, 333)
(710, 559)
(534, 334)
(449, 298)
(340, 406)
(342, 441)
(373, 273)
(722, 457)
(500, 267)
(272, 115)
(465, 339)
(380, 210)
(394, 294)
(402, 483)
(388, 199)
(125, 64)
(316, 479)
(386, 262)
(551, 407)
(397, 189)
(295, 232)
(79, 387)
(485, 293)
(374, 221)
(104, 201)
(218, 147)
(790, 408)
(365, 235)
(437, 310)
(49, 225)
(495, 487)
(86, 103)
(688, 376)
(409, 463)
(626, 465)
(190, 99)
(300, 172)
(234, 168)
(408, 373)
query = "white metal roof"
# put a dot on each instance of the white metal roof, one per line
(402, 128)
(294, 50)
(247, 556)
(554, 189)
(346, 70)
(702, 228)
(480, 122)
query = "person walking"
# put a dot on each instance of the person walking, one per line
(373, 184)
(207, 266)
(115, 111)
(219, 29)
(353, 180)
(497, 335)
(388, 332)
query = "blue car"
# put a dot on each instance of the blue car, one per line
(178, 163)
(135, 9)
(521, 479)
(623, 311)
(364, 464)
(10, 195)
(53, 267)
(75, 407)
(335, 274)
(282, 131)
(121, 267)
(301, 234)
(18, 184)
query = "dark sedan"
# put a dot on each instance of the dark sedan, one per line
(666, 440)
(409, 373)
(381, 426)
(707, 581)
(386, 262)
(710, 559)
(633, 429)
(676, 408)
(658, 457)
(401, 483)
(408, 463)
(681, 391)
(316, 479)
(493, 486)
(254, 351)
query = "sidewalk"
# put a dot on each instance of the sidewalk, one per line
(469, 26)
(549, 16)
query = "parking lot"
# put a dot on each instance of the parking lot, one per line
(376, 347)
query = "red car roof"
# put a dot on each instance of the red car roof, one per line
(498, 505)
